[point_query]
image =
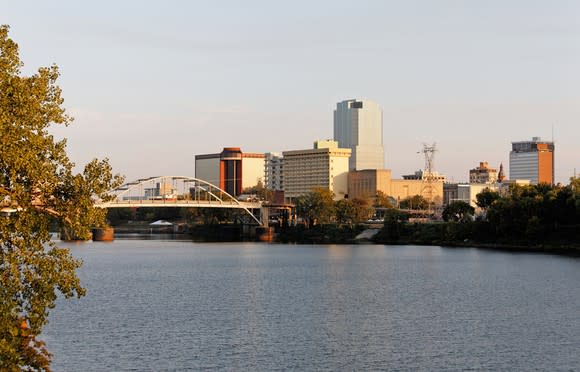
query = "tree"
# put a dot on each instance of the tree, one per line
(353, 211)
(316, 206)
(486, 198)
(382, 200)
(37, 184)
(344, 210)
(362, 210)
(458, 211)
(395, 220)
(414, 202)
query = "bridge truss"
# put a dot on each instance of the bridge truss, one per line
(177, 192)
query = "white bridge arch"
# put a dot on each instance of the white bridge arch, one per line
(178, 192)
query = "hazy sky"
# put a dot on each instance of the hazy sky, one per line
(151, 84)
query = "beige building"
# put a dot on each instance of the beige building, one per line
(483, 174)
(366, 183)
(231, 170)
(326, 165)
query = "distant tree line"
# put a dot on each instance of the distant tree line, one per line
(524, 215)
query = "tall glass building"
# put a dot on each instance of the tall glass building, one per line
(358, 125)
(532, 160)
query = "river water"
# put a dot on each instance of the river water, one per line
(174, 306)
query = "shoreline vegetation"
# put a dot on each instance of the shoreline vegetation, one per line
(531, 218)
(415, 234)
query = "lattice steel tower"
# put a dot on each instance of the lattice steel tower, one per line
(429, 178)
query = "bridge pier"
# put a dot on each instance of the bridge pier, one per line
(264, 215)
(106, 234)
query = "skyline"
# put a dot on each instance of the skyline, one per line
(149, 83)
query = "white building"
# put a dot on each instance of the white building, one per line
(274, 171)
(326, 165)
(468, 192)
(358, 125)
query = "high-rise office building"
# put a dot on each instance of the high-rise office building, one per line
(358, 125)
(232, 170)
(532, 160)
(326, 165)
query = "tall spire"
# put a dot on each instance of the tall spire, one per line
(501, 175)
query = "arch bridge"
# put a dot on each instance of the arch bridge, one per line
(179, 192)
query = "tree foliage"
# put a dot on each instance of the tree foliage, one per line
(533, 212)
(37, 183)
(414, 202)
(458, 211)
(395, 220)
(353, 211)
(316, 206)
(382, 200)
(486, 198)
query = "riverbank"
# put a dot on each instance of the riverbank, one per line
(438, 234)
(420, 234)
(477, 235)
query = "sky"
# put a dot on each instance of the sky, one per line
(153, 83)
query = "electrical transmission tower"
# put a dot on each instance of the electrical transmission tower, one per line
(429, 178)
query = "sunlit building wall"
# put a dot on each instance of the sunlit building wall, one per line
(326, 165)
(358, 125)
(366, 183)
(231, 170)
(483, 174)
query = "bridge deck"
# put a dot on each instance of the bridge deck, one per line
(179, 204)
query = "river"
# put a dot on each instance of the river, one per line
(155, 305)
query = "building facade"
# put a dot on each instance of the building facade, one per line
(466, 192)
(231, 170)
(358, 125)
(483, 174)
(274, 171)
(326, 165)
(532, 160)
(366, 183)
(420, 175)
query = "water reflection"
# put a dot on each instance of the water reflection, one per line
(170, 305)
